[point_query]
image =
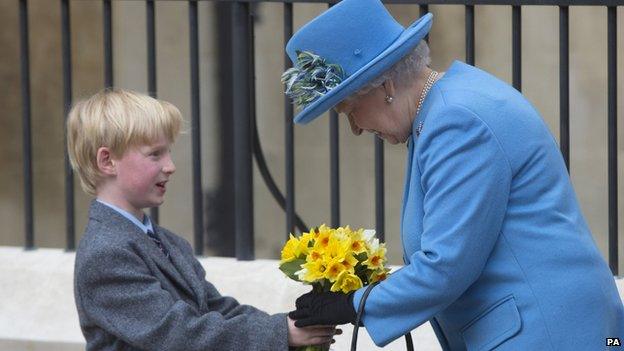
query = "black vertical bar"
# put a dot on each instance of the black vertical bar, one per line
(220, 205)
(516, 46)
(29, 242)
(289, 137)
(424, 9)
(612, 126)
(108, 44)
(243, 181)
(334, 151)
(67, 100)
(564, 85)
(251, 83)
(198, 206)
(380, 206)
(470, 34)
(151, 67)
(151, 47)
(334, 165)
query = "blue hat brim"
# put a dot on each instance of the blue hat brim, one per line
(410, 37)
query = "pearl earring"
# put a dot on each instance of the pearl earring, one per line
(389, 99)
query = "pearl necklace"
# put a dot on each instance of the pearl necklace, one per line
(433, 76)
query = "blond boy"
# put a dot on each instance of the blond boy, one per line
(137, 285)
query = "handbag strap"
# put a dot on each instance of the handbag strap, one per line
(408, 337)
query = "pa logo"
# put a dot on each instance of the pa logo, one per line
(614, 342)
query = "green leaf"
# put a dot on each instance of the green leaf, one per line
(311, 78)
(361, 257)
(290, 268)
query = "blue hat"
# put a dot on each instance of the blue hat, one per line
(353, 42)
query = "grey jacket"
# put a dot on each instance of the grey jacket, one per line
(131, 297)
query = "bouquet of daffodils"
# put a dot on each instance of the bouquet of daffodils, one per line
(338, 260)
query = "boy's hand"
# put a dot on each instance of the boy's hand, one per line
(312, 335)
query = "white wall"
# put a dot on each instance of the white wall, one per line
(37, 310)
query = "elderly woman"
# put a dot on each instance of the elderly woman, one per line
(497, 253)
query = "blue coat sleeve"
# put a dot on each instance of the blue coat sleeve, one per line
(465, 179)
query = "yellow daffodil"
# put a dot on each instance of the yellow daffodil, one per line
(350, 262)
(378, 275)
(321, 229)
(303, 247)
(307, 237)
(346, 282)
(337, 248)
(327, 258)
(313, 271)
(342, 233)
(295, 248)
(376, 258)
(289, 252)
(334, 268)
(314, 255)
(357, 246)
(322, 240)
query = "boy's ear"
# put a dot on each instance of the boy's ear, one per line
(105, 161)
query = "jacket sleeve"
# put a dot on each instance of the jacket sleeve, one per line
(118, 293)
(226, 305)
(466, 179)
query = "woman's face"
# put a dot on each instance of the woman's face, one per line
(373, 114)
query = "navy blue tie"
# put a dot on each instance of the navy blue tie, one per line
(158, 243)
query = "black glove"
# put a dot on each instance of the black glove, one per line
(327, 308)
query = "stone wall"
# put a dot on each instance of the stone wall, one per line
(38, 312)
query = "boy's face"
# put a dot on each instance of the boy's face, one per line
(142, 174)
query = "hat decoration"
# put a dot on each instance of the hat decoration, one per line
(311, 78)
(341, 50)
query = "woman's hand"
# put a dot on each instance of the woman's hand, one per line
(313, 335)
(326, 308)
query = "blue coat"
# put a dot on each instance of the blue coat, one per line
(498, 254)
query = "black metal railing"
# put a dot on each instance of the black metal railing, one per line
(612, 139)
(29, 241)
(247, 144)
(67, 101)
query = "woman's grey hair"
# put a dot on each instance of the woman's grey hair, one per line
(402, 73)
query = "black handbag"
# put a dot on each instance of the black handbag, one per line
(408, 337)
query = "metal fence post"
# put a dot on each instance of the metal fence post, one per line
(29, 241)
(67, 101)
(243, 189)
(152, 87)
(107, 13)
(612, 137)
(198, 205)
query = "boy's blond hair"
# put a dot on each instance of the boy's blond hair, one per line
(117, 119)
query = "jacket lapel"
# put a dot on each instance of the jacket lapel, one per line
(166, 266)
(183, 268)
(103, 213)
(406, 188)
